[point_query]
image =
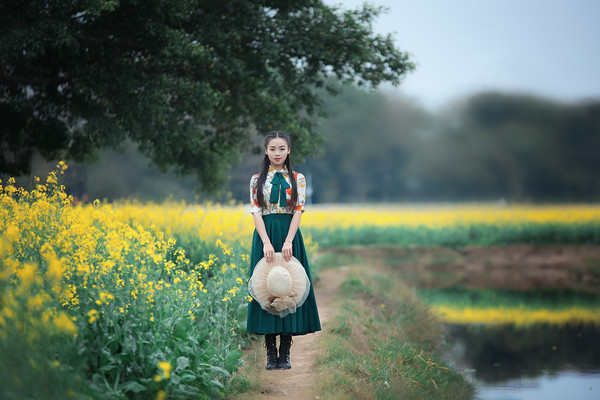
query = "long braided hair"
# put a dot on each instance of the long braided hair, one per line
(265, 169)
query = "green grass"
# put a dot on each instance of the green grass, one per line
(459, 235)
(384, 345)
(331, 259)
(491, 298)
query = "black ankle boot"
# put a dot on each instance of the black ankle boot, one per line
(271, 346)
(283, 361)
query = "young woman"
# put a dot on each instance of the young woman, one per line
(276, 221)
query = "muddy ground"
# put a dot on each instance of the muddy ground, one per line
(517, 267)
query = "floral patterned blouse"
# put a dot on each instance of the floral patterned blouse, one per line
(276, 207)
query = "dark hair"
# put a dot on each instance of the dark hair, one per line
(265, 169)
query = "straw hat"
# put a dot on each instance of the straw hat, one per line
(281, 287)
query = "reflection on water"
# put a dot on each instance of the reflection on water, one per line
(566, 385)
(536, 362)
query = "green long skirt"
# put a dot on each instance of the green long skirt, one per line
(306, 318)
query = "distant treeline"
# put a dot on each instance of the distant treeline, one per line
(488, 146)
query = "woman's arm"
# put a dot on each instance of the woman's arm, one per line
(268, 249)
(286, 249)
(259, 223)
(293, 226)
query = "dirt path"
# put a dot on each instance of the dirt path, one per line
(297, 383)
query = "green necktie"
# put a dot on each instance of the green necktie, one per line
(278, 189)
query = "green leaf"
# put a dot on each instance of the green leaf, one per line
(129, 344)
(182, 363)
(217, 383)
(214, 368)
(133, 386)
(188, 378)
(106, 368)
(232, 360)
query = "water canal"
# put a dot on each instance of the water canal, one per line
(542, 361)
(522, 321)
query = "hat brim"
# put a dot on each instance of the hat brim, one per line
(300, 287)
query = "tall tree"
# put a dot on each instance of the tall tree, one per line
(188, 80)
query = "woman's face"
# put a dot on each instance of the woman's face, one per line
(277, 150)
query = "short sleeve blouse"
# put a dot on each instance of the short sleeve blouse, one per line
(275, 208)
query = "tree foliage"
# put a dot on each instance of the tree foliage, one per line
(189, 81)
(514, 146)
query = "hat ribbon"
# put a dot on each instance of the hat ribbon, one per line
(279, 184)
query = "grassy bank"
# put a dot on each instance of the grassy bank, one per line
(459, 235)
(551, 299)
(384, 344)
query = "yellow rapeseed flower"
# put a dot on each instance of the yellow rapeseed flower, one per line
(27, 274)
(105, 297)
(12, 233)
(56, 268)
(165, 368)
(517, 316)
(93, 316)
(36, 302)
(52, 178)
(64, 324)
(8, 312)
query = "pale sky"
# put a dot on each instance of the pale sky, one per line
(545, 47)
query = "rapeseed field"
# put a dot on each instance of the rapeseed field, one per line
(102, 301)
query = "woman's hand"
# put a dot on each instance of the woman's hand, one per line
(286, 251)
(269, 252)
